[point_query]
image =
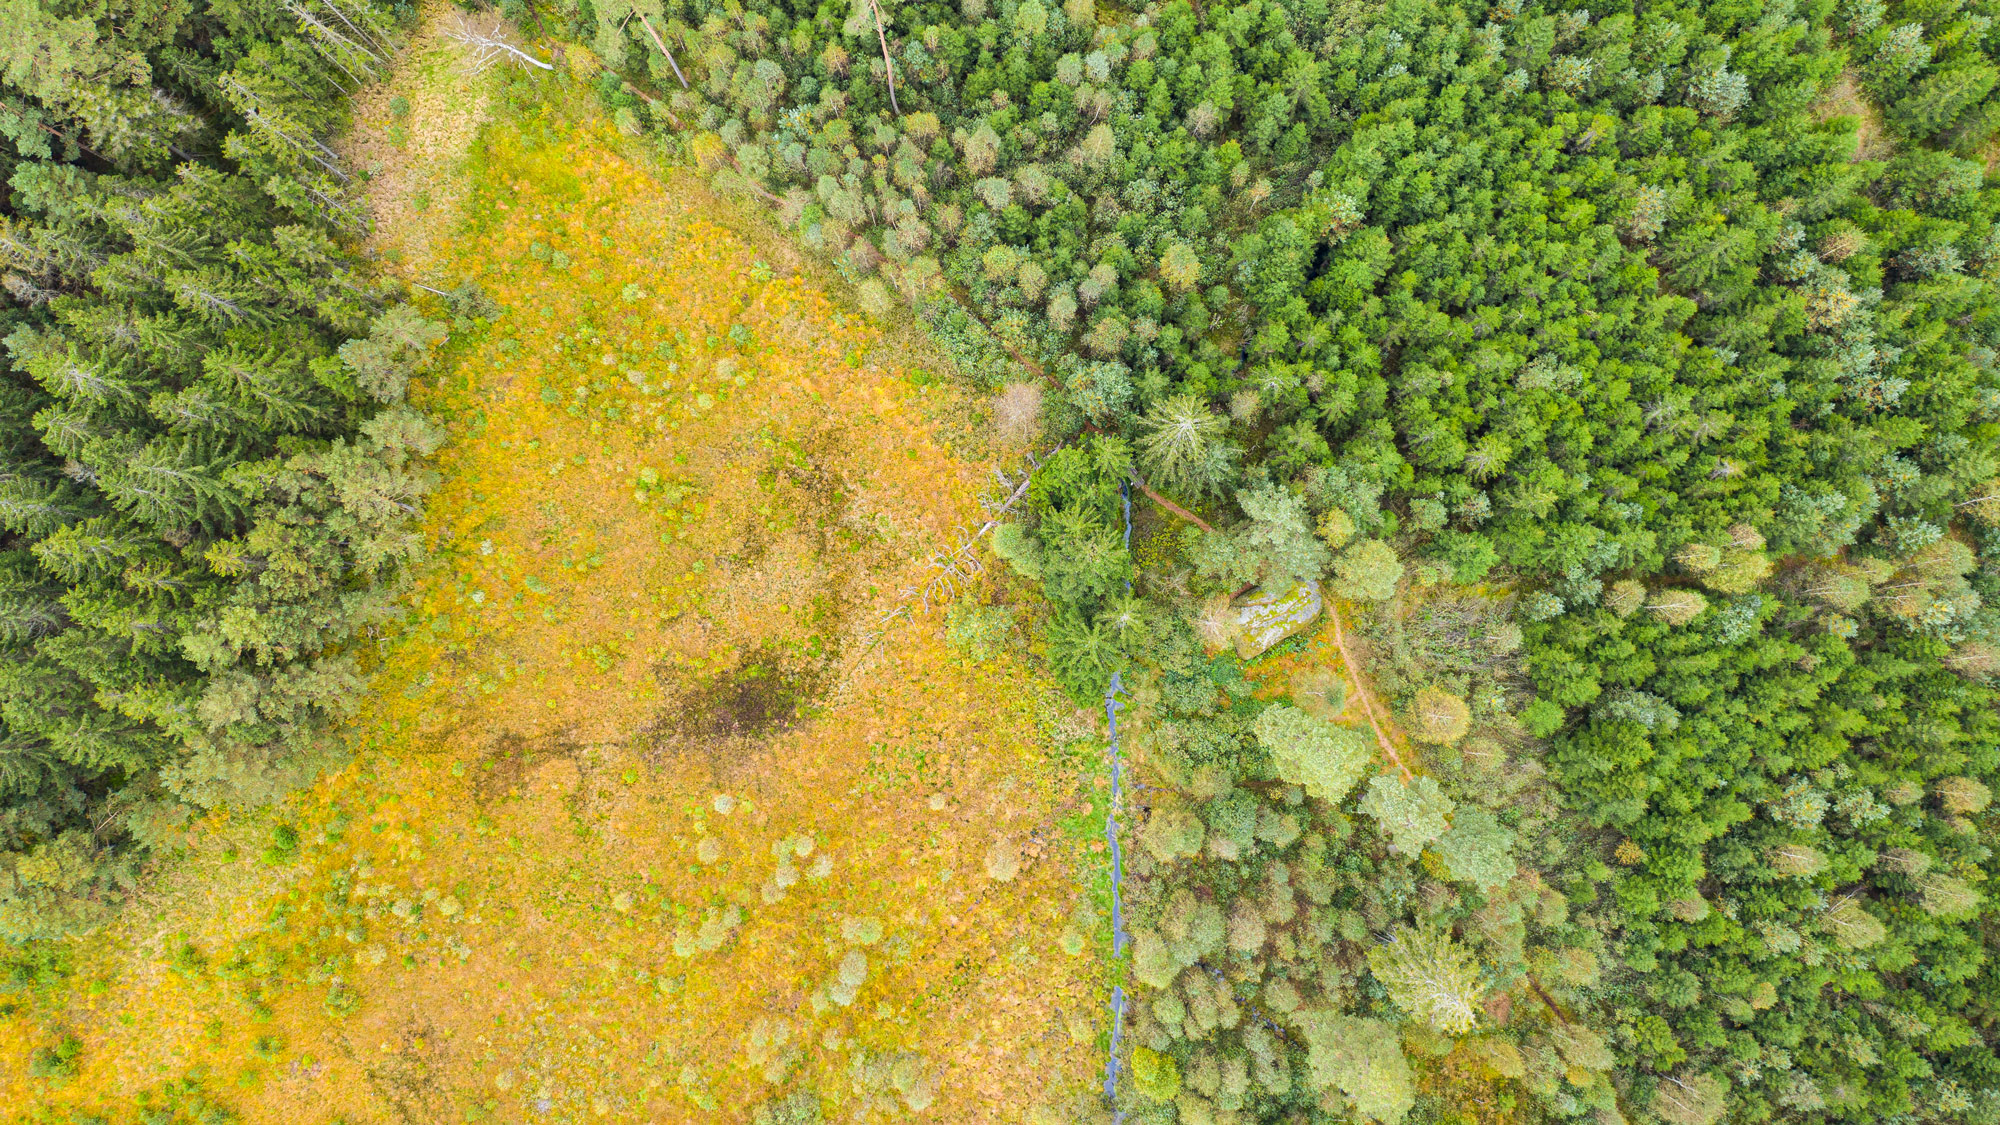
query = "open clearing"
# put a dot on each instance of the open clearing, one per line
(650, 816)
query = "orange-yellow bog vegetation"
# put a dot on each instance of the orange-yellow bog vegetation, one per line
(669, 797)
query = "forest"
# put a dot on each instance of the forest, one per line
(1621, 382)
(209, 474)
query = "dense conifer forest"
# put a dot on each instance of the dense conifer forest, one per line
(1623, 381)
(208, 478)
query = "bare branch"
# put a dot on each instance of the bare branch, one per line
(1019, 491)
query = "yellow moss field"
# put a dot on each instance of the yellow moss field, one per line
(658, 807)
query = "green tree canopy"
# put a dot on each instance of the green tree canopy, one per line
(1326, 759)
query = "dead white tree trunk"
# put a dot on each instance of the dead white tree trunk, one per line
(367, 38)
(327, 32)
(491, 44)
(883, 36)
(661, 44)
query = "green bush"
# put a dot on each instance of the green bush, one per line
(58, 1061)
(284, 845)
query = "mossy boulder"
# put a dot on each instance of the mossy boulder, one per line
(1270, 614)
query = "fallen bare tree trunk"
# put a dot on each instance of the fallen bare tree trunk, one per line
(491, 44)
(1170, 506)
(890, 66)
(662, 45)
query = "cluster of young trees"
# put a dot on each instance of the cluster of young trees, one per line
(1596, 301)
(207, 474)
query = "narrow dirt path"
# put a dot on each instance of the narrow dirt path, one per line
(1362, 693)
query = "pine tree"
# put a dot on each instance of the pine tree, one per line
(33, 504)
(1477, 849)
(1690, 1099)
(95, 548)
(1438, 716)
(397, 342)
(1410, 814)
(1429, 976)
(1367, 571)
(28, 610)
(270, 382)
(1676, 607)
(1852, 926)
(1941, 98)
(1362, 1059)
(1280, 536)
(169, 484)
(1180, 267)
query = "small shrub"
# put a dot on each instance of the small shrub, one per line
(848, 978)
(1017, 413)
(874, 298)
(912, 1083)
(1154, 1075)
(1003, 860)
(1319, 692)
(284, 845)
(58, 1061)
(979, 631)
(800, 1107)
(1336, 527)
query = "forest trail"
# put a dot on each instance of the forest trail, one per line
(1357, 679)
(1329, 646)
(634, 830)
